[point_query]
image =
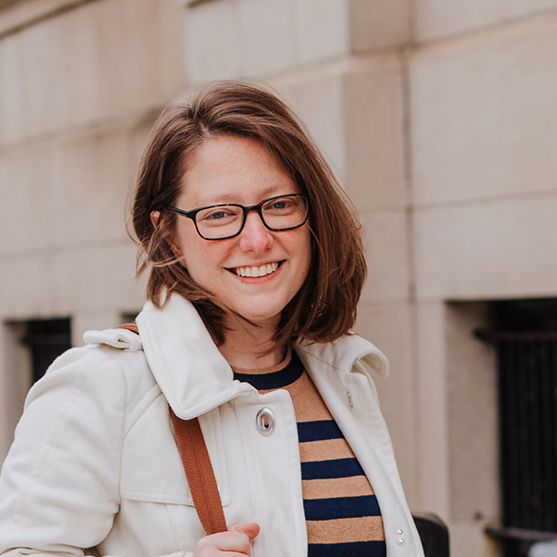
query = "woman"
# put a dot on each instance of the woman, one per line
(256, 267)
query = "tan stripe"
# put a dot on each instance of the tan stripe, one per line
(354, 486)
(345, 530)
(327, 449)
(307, 401)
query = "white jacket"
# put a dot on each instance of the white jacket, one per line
(95, 463)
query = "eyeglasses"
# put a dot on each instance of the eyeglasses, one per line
(226, 220)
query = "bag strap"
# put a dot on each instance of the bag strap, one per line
(198, 468)
(129, 327)
(200, 474)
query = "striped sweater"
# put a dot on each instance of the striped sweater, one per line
(342, 514)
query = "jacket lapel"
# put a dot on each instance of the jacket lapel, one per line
(191, 372)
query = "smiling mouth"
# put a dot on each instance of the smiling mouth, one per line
(256, 271)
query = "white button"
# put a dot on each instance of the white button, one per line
(265, 421)
(350, 403)
(400, 537)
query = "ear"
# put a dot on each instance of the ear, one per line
(155, 215)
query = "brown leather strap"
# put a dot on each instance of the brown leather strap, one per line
(129, 327)
(198, 468)
(200, 474)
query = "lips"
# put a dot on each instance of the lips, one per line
(256, 271)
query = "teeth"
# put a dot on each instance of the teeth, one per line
(256, 271)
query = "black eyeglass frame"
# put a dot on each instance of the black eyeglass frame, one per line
(245, 210)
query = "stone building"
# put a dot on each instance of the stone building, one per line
(439, 117)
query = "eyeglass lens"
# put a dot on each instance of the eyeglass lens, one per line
(279, 213)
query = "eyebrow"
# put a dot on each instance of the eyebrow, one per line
(271, 191)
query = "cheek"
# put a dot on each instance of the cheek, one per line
(188, 244)
(203, 259)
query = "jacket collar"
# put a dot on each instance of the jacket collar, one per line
(349, 353)
(190, 370)
(195, 377)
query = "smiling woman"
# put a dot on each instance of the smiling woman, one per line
(252, 272)
(255, 270)
(245, 118)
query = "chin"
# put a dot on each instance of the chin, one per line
(263, 318)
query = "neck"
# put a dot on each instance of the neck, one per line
(251, 347)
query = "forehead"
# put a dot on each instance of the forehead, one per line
(233, 169)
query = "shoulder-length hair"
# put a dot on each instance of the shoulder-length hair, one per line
(325, 306)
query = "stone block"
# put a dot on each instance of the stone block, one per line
(442, 18)
(238, 38)
(430, 388)
(92, 176)
(28, 211)
(69, 191)
(374, 128)
(378, 24)
(15, 14)
(213, 44)
(169, 70)
(490, 250)
(469, 539)
(11, 92)
(140, 50)
(228, 38)
(138, 134)
(483, 110)
(354, 110)
(89, 64)
(472, 394)
(267, 36)
(386, 240)
(389, 326)
(322, 29)
(15, 381)
(61, 282)
(318, 101)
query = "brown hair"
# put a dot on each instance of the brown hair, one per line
(325, 306)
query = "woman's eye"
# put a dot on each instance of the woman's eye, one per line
(217, 216)
(282, 204)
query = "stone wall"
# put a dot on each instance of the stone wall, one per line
(80, 86)
(438, 117)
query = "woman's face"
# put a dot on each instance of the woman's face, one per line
(241, 170)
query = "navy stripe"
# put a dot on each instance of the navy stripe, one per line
(341, 507)
(318, 431)
(375, 548)
(339, 468)
(276, 380)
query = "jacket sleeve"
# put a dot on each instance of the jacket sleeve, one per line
(59, 487)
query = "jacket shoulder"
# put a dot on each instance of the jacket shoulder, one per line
(348, 353)
(115, 368)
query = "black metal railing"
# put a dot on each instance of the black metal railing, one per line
(528, 454)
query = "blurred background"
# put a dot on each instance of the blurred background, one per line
(439, 118)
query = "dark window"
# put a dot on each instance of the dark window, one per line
(526, 343)
(46, 339)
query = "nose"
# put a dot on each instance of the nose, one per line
(255, 236)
